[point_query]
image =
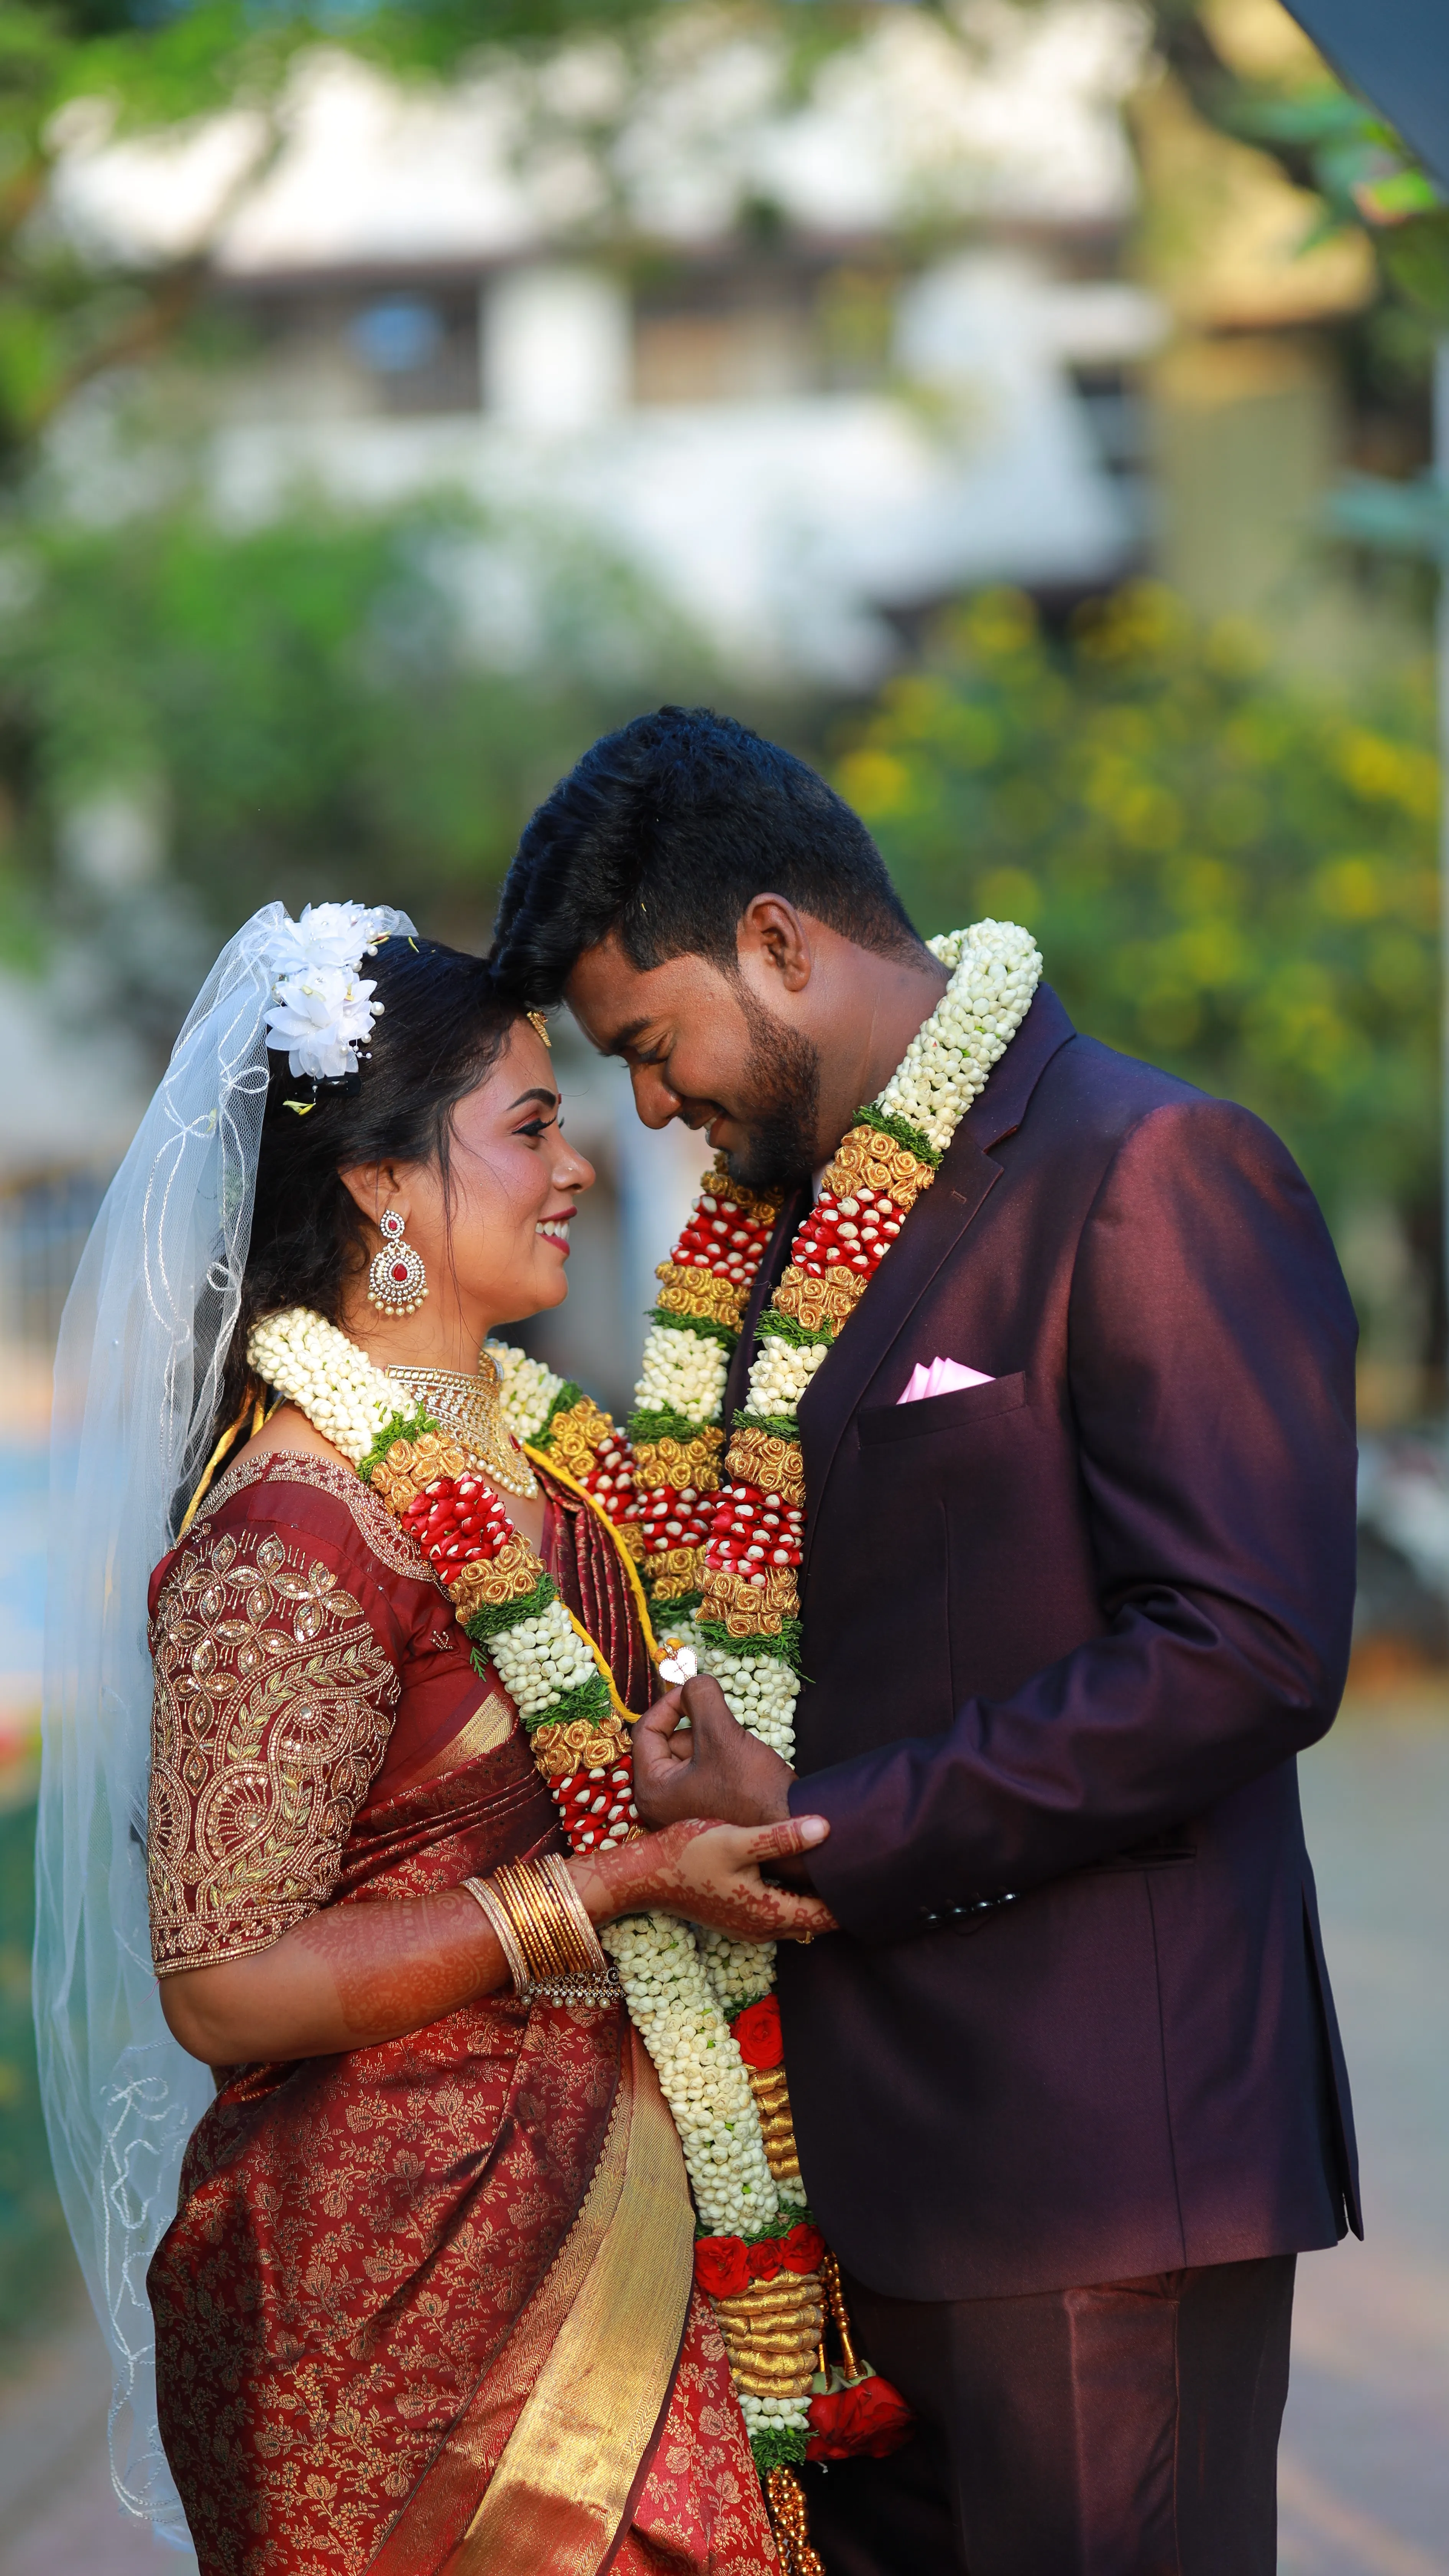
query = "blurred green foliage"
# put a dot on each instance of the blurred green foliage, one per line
(1332, 141)
(323, 705)
(71, 311)
(34, 2249)
(1230, 871)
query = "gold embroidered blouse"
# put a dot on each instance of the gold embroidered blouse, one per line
(283, 1630)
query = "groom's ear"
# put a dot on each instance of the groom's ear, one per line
(774, 945)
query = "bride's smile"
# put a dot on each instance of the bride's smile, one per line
(489, 1217)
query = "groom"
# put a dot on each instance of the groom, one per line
(1067, 2085)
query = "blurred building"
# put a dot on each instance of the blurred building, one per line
(813, 347)
(814, 343)
(814, 353)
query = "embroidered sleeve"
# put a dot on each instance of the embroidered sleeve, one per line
(274, 1702)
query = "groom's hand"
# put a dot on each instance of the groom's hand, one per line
(712, 1767)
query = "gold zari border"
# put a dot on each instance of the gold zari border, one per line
(559, 2493)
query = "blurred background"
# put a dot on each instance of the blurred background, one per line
(1024, 409)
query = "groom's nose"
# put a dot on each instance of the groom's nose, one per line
(654, 1098)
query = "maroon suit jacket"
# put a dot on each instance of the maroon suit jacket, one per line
(1065, 1634)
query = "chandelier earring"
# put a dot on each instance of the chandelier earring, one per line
(397, 1282)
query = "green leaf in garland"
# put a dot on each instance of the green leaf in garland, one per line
(399, 1426)
(665, 1425)
(786, 1646)
(799, 2211)
(778, 2446)
(588, 1701)
(886, 1123)
(492, 1617)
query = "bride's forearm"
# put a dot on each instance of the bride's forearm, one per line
(348, 1977)
(352, 1976)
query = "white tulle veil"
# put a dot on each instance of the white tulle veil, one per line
(143, 1345)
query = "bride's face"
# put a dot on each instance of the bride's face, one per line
(495, 1235)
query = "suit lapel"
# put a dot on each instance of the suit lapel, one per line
(929, 1236)
(927, 1239)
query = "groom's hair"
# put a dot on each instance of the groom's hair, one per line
(664, 833)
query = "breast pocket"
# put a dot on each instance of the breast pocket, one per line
(958, 1412)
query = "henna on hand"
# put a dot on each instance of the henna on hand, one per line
(709, 1872)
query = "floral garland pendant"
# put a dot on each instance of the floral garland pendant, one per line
(722, 1510)
(509, 1608)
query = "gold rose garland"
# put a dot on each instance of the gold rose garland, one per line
(735, 1530)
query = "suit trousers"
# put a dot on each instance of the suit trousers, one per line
(1129, 2429)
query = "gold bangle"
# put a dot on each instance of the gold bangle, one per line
(502, 1927)
(590, 1949)
(518, 1888)
(545, 1933)
(546, 1928)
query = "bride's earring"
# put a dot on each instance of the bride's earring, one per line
(397, 1283)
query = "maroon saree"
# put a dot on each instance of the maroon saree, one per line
(426, 2306)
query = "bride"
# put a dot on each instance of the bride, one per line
(425, 2300)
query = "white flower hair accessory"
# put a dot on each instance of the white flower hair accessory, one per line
(322, 1008)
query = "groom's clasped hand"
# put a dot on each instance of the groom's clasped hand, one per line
(713, 1767)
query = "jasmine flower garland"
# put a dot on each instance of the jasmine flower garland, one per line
(740, 1586)
(508, 1605)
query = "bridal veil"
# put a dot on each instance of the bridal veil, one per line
(143, 1344)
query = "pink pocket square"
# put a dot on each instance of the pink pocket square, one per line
(941, 1378)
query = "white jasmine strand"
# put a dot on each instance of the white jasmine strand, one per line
(526, 1387)
(682, 1372)
(673, 2005)
(781, 1373)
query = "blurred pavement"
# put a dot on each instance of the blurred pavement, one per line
(1365, 2463)
(1364, 2481)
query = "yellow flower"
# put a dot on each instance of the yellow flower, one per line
(875, 783)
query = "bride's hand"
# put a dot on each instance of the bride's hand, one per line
(710, 1873)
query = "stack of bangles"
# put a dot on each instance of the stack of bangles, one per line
(544, 1932)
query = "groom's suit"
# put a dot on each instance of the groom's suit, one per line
(1064, 1634)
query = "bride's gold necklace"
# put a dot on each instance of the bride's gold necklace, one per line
(472, 1409)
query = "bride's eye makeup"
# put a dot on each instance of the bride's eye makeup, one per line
(539, 1125)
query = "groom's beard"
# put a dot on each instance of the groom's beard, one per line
(782, 1091)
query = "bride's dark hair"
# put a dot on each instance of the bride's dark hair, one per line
(442, 1026)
